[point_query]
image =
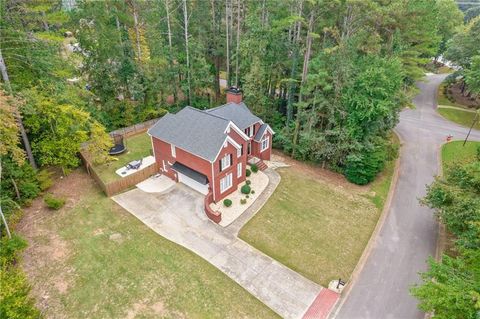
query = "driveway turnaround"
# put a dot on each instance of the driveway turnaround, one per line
(409, 233)
(179, 216)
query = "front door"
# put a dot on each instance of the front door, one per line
(249, 148)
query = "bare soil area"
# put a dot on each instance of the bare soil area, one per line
(455, 92)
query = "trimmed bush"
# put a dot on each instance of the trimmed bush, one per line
(247, 196)
(248, 182)
(44, 178)
(245, 189)
(54, 202)
(252, 192)
(254, 168)
(14, 295)
(243, 201)
(248, 172)
(227, 202)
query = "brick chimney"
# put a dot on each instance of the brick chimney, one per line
(234, 94)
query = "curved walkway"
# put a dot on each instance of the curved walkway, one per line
(409, 233)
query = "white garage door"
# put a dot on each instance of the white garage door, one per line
(193, 183)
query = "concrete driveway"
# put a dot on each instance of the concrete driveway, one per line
(409, 234)
(179, 216)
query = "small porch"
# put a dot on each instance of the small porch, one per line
(252, 160)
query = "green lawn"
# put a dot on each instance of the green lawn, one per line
(113, 266)
(444, 69)
(138, 146)
(455, 152)
(315, 228)
(459, 116)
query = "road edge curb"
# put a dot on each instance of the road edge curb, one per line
(373, 238)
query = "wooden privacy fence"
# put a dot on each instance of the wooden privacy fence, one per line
(126, 182)
(122, 183)
(134, 129)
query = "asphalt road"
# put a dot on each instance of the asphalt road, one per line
(409, 233)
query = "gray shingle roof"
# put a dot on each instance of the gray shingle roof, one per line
(260, 132)
(192, 130)
(237, 113)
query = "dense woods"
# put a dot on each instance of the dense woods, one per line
(330, 76)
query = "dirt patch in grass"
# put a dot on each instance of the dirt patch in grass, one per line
(92, 259)
(452, 96)
(455, 93)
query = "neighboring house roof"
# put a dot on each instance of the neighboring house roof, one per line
(237, 113)
(196, 176)
(194, 131)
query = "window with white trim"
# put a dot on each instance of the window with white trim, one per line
(226, 183)
(225, 162)
(239, 151)
(239, 170)
(172, 147)
(265, 143)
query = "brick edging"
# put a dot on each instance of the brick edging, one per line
(381, 221)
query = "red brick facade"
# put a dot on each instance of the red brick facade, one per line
(164, 158)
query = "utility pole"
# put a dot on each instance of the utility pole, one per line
(471, 127)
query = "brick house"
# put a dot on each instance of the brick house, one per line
(208, 150)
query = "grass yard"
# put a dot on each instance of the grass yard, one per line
(459, 116)
(313, 227)
(455, 152)
(317, 224)
(138, 146)
(92, 259)
(454, 111)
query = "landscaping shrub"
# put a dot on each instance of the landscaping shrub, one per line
(247, 196)
(54, 202)
(248, 172)
(252, 192)
(245, 189)
(243, 201)
(10, 249)
(362, 167)
(44, 178)
(248, 182)
(18, 177)
(227, 202)
(254, 168)
(15, 301)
